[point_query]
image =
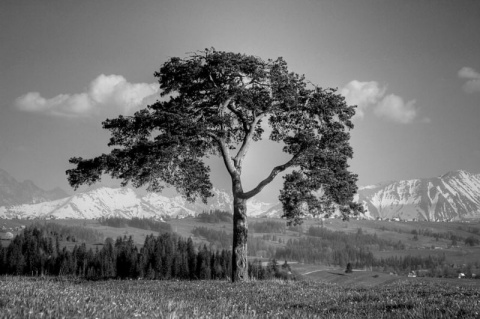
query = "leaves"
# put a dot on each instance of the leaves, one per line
(214, 104)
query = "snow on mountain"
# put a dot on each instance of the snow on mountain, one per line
(125, 202)
(453, 196)
(121, 202)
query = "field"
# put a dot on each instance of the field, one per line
(362, 278)
(22, 297)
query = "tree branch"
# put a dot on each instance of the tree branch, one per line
(246, 142)
(240, 116)
(225, 154)
(275, 171)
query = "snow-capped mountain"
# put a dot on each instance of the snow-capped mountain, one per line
(13, 192)
(125, 202)
(453, 196)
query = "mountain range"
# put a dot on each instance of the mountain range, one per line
(13, 192)
(25, 200)
(453, 196)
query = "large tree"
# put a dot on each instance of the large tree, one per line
(215, 103)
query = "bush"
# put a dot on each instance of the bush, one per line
(349, 268)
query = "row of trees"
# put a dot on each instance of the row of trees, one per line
(314, 250)
(215, 216)
(358, 239)
(455, 239)
(71, 233)
(141, 223)
(268, 226)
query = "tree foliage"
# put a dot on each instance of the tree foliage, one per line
(216, 102)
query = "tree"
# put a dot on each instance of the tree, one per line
(472, 241)
(349, 268)
(216, 104)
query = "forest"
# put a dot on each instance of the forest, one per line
(36, 251)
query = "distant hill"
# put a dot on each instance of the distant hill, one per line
(13, 192)
(452, 196)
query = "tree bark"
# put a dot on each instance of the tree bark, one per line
(240, 234)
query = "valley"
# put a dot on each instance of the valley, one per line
(418, 239)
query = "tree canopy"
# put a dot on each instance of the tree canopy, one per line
(214, 104)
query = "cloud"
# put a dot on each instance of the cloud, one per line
(473, 79)
(105, 93)
(392, 107)
(362, 94)
(372, 94)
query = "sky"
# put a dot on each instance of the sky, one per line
(411, 67)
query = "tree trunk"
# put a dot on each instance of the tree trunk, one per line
(240, 234)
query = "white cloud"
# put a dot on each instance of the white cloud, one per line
(106, 92)
(473, 79)
(392, 107)
(372, 94)
(362, 94)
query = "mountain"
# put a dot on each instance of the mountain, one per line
(13, 192)
(125, 202)
(453, 196)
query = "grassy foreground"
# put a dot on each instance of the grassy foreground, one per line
(22, 297)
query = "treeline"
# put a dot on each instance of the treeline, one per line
(371, 242)
(215, 216)
(335, 248)
(312, 250)
(219, 239)
(164, 257)
(141, 223)
(427, 266)
(455, 239)
(69, 233)
(472, 230)
(402, 264)
(268, 226)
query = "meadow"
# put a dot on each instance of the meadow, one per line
(24, 297)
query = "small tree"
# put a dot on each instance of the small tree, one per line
(216, 103)
(349, 268)
(472, 241)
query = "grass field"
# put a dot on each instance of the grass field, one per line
(22, 297)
